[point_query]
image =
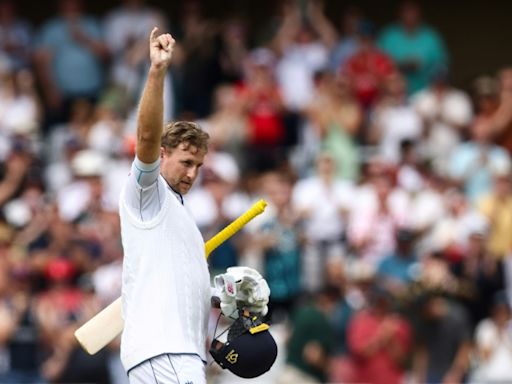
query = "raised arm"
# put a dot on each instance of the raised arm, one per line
(150, 116)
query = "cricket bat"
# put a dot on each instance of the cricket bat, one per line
(105, 326)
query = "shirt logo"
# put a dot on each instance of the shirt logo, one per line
(232, 357)
(230, 288)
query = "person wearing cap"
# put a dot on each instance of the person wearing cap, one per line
(166, 293)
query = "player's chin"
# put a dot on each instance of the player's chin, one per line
(184, 187)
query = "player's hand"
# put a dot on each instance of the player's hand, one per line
(242, 287)
(160, 49)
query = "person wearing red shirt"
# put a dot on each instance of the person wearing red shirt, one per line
(379, 341)
(368, 67)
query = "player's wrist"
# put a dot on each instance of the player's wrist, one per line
(158, 69)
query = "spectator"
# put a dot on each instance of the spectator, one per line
(473, 163)
(213, 206)
(15, 37)
(302, 48)
(74, 131)
(416, 47)
(480, 276)
(197, 58)
(446, 113)
(322, 202)
(427, 205)
(396, 271)
(310, 343)
(493, 340)
(335, 118)
(68, 44)
(496, 206)
(368, 67)
(347, 43)
(379, 341)
(262, 102)
(228, 124)
(126, 28)
(59, 310)
(501, 123)
(15, 173)
(84, 195)
(487, 101)
(20, 112)
(393, 119)
(377, 211)
(234, 48)
(450, 235)
(280, 241)
(336, 277)
(443, 339)
(410, 172)
(20, 335)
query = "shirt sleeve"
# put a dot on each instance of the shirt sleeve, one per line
(145, 190)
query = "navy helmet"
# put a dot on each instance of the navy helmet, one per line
(250, 349)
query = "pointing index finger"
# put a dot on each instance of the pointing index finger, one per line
(152, 36)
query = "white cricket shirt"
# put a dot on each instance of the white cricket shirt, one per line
(166, 282)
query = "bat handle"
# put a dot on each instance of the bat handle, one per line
(256, 209)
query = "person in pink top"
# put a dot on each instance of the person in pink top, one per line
(379, 341)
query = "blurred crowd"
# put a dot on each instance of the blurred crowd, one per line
(387, 243)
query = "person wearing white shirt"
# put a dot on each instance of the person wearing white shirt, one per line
(322, 201)
(493, 342)
(166, 293)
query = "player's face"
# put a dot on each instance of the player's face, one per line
(180, 166)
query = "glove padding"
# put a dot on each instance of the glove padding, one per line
(242, 287)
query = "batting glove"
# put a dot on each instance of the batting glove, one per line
(242, 287)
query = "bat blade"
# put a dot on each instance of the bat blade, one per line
(96, 333)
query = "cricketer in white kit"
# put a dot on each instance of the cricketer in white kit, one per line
(166, 283)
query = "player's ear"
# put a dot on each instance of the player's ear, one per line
(162, 152)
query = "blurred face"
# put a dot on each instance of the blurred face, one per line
(305, 35)
(326, 166)
(410, 15)
(234, 32)
(501, 313)
(180, 166)
(395, 85)
(277, 190)
(225, 98)
(383, 187)
(349, 21)
(487, 104)
(435, 308)
(506, 80)
(70, 8)
(481, 133)
(502, 186)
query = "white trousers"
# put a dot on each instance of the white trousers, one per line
(169, 369)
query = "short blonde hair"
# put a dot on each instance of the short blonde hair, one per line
(186, 132)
